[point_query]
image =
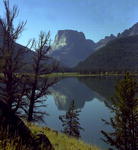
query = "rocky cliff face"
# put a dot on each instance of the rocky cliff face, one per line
(70, 47)
(66, 37)
(129, 32)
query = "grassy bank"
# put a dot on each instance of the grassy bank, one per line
(61, 141)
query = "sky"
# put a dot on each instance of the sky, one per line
(95, 18)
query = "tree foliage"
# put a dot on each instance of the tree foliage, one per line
(125, 120)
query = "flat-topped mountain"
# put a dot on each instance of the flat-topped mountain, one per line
(70, 47)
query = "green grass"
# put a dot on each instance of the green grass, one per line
(61, 141)
(75, 74)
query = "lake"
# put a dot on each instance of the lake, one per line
(92, 96)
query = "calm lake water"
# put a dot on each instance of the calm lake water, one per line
(92, 96)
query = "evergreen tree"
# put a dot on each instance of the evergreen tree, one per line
(125, 120)
(70, 121)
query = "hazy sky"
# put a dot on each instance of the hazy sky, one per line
(96, 18)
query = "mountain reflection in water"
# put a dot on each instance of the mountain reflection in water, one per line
(82, 90)
(91, 95)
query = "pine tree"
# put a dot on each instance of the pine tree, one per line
(70, 121)
(125, 120)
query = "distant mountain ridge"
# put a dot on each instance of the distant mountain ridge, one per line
(71, 48)
(117, 53)
(104, 41)
(27, 56)
(120, 54)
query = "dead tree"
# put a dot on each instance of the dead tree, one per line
(11, 89)
(38, 81)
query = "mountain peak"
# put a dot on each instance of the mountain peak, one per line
(104, 41)
(130, 32)
(71, 46)
(65, 37)
(135, 25)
